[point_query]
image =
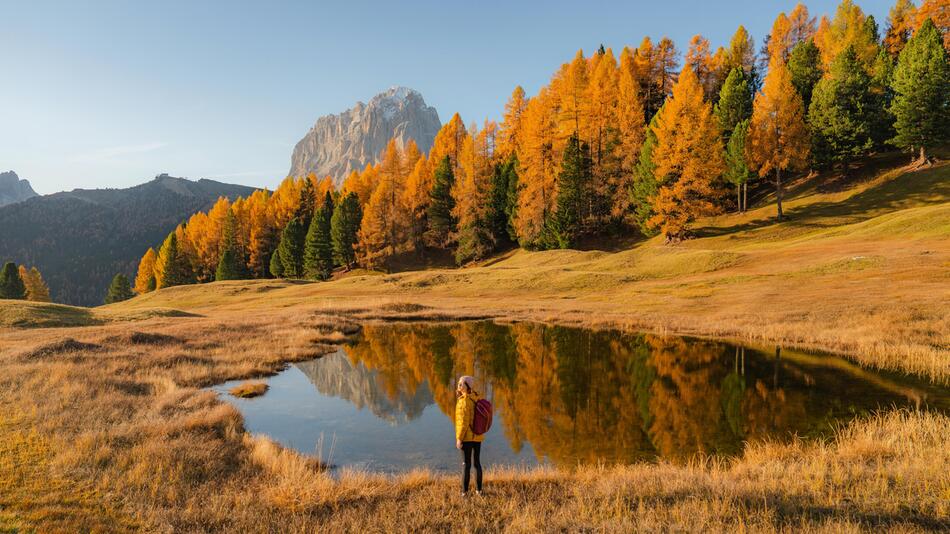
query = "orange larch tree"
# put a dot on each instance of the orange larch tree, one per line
(778, 138)
(145, 278)
(848, 28)
(472, 194)
(571, 86)
(448, 142)
(509, 132)
(780, 39)
(900, 26)
(630, 128)
(603, 132)
(802, 25)
(538, 167)
(415, 200)
(262, 233)
(703, 64)
(939, 12)
(689, 159)
(741, 52)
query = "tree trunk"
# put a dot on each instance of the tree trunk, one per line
(738, 198)
(778, 191)
(745, 195)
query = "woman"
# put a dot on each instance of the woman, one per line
(466, 440)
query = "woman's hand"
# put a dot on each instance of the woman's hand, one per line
(458, 444)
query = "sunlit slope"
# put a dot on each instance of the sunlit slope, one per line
(896, 223)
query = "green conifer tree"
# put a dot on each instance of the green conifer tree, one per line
(276, 266)
(843, 112)
(344, 229)
(231, 264)
(511, 198)
(804, 64)
(645, 184)
(318, 247)
(120, 289)
(306, 204)
(737, 170)
(572, 183)
(735, 100)
(882, 78)
(290, 249)
(442, 224)
(475, 241)
(11, 284)
(175, 269)
(921, 86)
(498, 210)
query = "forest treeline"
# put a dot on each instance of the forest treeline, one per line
(19, 282)
(641, 141)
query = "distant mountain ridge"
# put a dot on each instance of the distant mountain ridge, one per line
(13, 189)
(338, 144)
(80, 239)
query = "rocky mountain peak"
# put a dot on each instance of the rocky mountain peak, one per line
(13, 189)
(339, 144)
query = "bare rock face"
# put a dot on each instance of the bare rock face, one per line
(13, 189)
(338, 144)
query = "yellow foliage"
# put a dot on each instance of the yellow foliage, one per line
(780, 39)
(509, 132)
(939, 12)
(415, 199)
(778, 138)
(703, 64)
(571, 86)
(538, 166)
(261, 233)
(146, 272)
(741, 51)
(630, 128)
(448, 142)
(802, 24)
(36, 289)
(847, 29)
(688, 158)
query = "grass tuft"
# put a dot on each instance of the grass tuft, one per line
(249, 390)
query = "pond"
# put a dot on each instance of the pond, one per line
(561, 396)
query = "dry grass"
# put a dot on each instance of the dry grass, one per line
(106, 426)
(249, 390)
(117, 434)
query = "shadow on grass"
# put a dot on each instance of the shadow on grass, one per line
(917, 188)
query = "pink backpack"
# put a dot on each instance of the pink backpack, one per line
(481, 422)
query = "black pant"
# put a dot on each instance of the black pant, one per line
(469, 447)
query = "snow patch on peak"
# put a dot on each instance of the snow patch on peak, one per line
(399, 92)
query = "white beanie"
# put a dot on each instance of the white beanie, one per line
(467, 380)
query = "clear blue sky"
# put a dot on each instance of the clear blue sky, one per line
(111, 95)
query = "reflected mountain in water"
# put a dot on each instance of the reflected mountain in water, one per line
(335, 375)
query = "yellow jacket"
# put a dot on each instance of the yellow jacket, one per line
(464, 413)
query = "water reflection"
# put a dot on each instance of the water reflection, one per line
(567, 395)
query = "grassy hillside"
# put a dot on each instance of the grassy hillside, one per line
(861, 267)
